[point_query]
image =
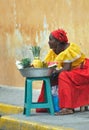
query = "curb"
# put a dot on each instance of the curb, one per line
(9, 123)
(6, 109)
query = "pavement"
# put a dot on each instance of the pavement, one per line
(12, 118)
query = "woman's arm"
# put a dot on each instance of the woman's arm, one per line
(66, 67)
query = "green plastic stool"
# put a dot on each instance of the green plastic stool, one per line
(28, 104)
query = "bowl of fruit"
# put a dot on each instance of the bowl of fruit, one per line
(36, 68)
(36, 72)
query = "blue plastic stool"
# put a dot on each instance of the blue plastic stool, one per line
(28, 104)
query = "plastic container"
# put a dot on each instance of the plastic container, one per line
(56, 103)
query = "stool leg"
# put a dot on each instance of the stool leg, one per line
(29, 97)
(86, 108)
(82, 109)
(25, 97)
(49, 96)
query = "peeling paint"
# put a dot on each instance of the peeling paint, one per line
(28, 22)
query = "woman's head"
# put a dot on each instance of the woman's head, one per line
(60, 35)
(58, 40)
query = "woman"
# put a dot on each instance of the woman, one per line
(71, 74)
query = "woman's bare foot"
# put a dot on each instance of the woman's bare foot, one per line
(64, 111)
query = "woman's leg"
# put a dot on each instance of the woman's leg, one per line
(64, 91)
(73, 89)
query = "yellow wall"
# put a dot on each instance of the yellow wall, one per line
(26, 22)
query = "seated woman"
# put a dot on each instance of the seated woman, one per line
(71, 74)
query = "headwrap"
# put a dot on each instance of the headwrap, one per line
(60, 35)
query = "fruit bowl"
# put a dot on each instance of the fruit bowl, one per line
(36, 72)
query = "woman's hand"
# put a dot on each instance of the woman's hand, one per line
(66, 67)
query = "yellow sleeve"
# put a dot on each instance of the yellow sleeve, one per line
(72, 55)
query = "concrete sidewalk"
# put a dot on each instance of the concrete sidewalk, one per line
(11, 109)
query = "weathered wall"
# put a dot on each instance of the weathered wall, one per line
(26, 22)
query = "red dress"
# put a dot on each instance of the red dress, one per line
(73, 88)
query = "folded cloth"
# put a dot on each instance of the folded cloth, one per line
(52, 64)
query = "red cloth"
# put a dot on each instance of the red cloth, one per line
(41, 99)
(73, 86)
(60, 35)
